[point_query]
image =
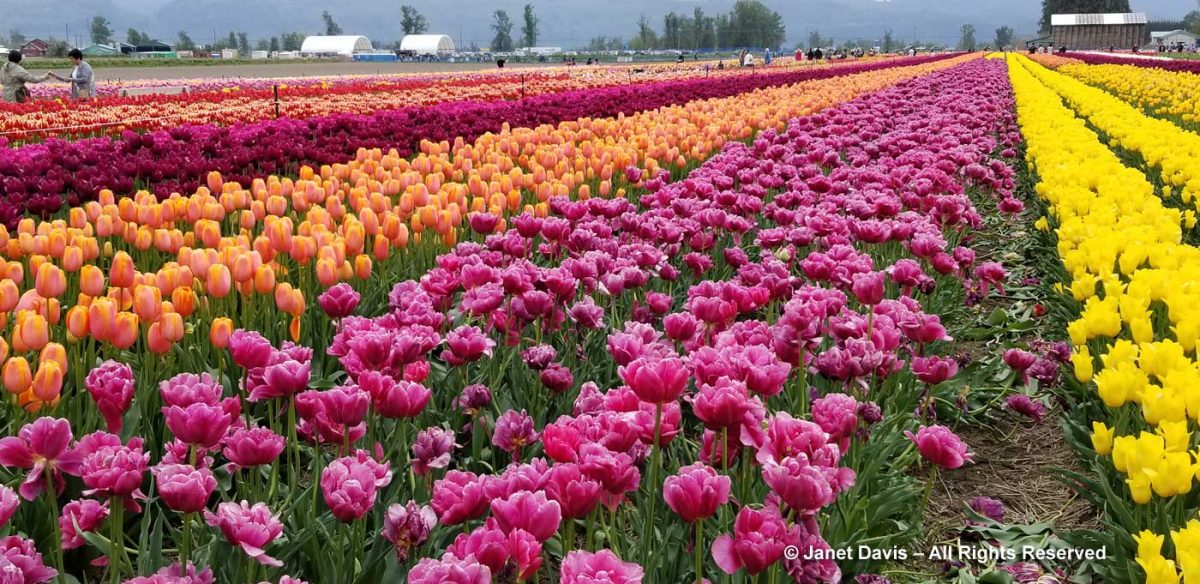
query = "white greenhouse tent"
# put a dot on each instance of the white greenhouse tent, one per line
(428, 44)
(344, 45)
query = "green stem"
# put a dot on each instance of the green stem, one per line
(699, 545)
(116, 540)
(569, 540)
(52, 495)
(653, 486)
(933, 473)
(185, 547)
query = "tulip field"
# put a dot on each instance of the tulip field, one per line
(755, 325)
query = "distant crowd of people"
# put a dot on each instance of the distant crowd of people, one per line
(14, 78)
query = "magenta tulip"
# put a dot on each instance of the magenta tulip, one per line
(531, 512)
(580, 567)
(184, 488)
(111, 387)
(696, 492)
(940, 446)
(249, 527)
(42, 444)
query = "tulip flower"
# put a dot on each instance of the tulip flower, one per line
(514, 431)
(756, 543)
(696, 492)
(407, 527)
(8, 504)
(529, 512)
(349, 488)
(282, 379)
(184, 488)
(110, 469)
(339, 301)
(17, 376)
(250, 527)
(940, 446)
(431, 449)
(581, 567)
(111, 387)
(934, 370)
(458, 497)
(22, 561)
(88, 514)
(43, 446)
(656, 381)
(249, 349)
(251, 447)
(199, 424)
(449, 570)
(220, 332)
(394, 399)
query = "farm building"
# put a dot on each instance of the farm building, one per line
(102, 51)
(1171, 38)
(35, 48)
(427, 44)
(342, 46)
(1099, 31)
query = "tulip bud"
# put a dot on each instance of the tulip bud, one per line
(47, 382)
(54, 352)
(184, 301)
(220, 281)
(220, 332)
(17, 376)
(121, 273)
(32, 332)
(50, 281)
(147, 303)
(91, 281)
(125, 330)
(77, 322)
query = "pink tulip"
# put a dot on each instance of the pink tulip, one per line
(111, 387)
(575, 493)
(939, 445)
(869, 288)
(184, 488)
(250, 349)
(580, 567)
(836, 414)
(339, 301)
(111, 469)
(346, 404)
(514, 431)
(655, 380)
(394, 399)
(349, 485)
(488, 544)
(200, 424)
(186, 389)
(431, 449)
(407, 527)
(724, 404)
(473, 399)
(1026, 406)
(8, 504)
(531, 512)
(467, 344)
(88, 514)
(41, 444)
(249, 527)
(557, 378)
(20, 562)
(449, 570)
(804, 487)
(934, 370)
(284, 378)
(696, 491)
(174, 574)
(250, 447)
(756, 543)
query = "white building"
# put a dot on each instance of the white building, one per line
(1170, 38)
(342, 46)
(428, 44)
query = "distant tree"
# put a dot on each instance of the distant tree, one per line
(502, 42)
(752, 24)
(331, 27)
(274, 45)
(646, 37)
(816, 40)
(1004, 37)
(231, 41)
(672, 27)
(702, 28)
(1192, 21)
(411, 21)
(262, 45)
(185, 42)
(529, 30)
(57, 48)
(243, 44)
(101, 31)
(1050, 7)
(889, 43)
(16, 39)
(966, 41)
(135, 37)
(292, 41)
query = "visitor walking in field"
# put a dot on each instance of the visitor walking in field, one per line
(14, 77)
(83, 81)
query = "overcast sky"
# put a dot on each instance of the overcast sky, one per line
(563, 22)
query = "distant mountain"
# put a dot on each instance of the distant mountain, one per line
(563, 22)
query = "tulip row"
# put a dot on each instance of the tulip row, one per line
(598, 262)
(144, 269)
(1167, 94)
(40, 178)
(1167, 64)
(304, 98)
(1125, 264)
(1165, 148)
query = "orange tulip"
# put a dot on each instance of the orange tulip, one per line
(32, 332)
(184, 301)
(9, 295)
(222, 329)
(156, 341)
(362, 266)
(102, 319)
(327, 272)
(147, 303)
(294, 329)
(48, 381)
(91, 280)
(219, 282)
(125, 330)
(264, 279)
(54, 352)
(72, 259)
(77, 322)
(172, 326)
(122, 272)
(17, 375)
(3, 349)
